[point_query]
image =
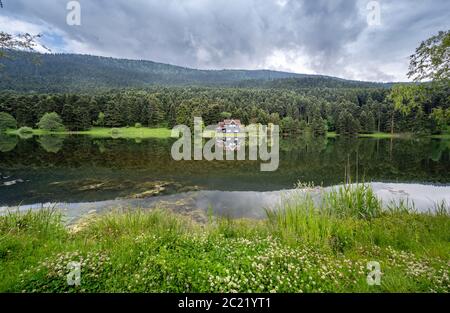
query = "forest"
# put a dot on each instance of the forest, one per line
(78, 92)
(46, 73)
(420, 109)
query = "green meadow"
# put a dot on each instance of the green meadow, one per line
(302, 246)
(103, 132)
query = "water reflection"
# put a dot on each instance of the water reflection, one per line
(51, 143)
(229, 143)
(81, 169)
(7, 143)
(245, 204)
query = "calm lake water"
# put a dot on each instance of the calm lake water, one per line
(83, 174)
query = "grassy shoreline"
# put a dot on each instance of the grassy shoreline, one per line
(102, 132)
(145, 132)
(387, 135)
(302, 248)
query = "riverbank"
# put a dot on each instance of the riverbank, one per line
(301, 248)
(387, 135)
(145, 132)
(101, 132)
(381, 135)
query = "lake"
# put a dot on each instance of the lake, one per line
(84, 174)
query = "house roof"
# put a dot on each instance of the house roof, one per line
(229, 122)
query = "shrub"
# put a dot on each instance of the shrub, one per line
(51, 121)
(115, 132)
(138, 125)
(100, 120)
(25, 130)
(7, 121)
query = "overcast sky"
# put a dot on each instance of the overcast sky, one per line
(331, 37)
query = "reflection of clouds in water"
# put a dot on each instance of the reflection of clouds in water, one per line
(238, 203)
(11, 182)
(423, 196)
(248, 204)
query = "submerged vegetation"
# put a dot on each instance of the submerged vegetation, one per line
(307, 245)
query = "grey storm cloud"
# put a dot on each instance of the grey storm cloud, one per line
(323, 36)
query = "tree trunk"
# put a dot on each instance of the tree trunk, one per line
(379, 121)
(392, 123)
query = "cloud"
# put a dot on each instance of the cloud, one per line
(329, 37)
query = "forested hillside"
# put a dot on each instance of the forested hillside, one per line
(345, 110)
(78, 92)
(33, 72)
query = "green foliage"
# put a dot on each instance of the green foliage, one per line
(367, 121)
(274, 118)
(318, 126)
(225, 115)
(100, 120)
(441, 118)
(357, 201)
(51, 143)
(7, 121)
(432, 59)
(292, 100)
(294, 111)
(25, 130)
(155, 111)
(138, 125)
(290, 126)
(81, 73)
(114, 116)
(7, 143)
(404, 98)
(115, 132)
(75, 113)
(299, 248)
(347, 124)
(51, 122)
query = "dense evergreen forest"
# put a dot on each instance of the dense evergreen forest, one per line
(344, 110)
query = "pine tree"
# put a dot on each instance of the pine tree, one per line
(367, 122)
(318, 126)
(155, 112)
(347, 124)
(113, 114)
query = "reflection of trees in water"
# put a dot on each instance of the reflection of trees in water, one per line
(101, 146)
(51, 143)
(317, 160)
(25, 136)
(439, 147)
(7, 143)
(370, 159)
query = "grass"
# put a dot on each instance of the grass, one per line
(379, 135)
(145, 132)
(442, 136)
(306, 245)
(101, 132)
(386, 135)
